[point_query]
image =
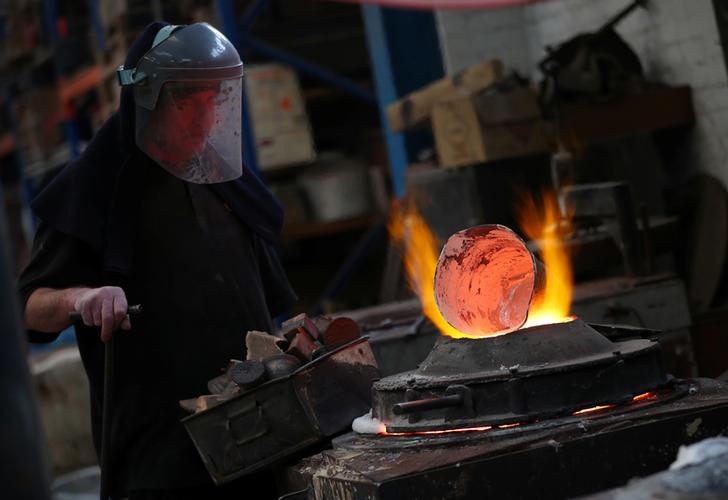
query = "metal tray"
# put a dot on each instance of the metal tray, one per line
(270, 423)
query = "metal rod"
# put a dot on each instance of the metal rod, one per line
(631, 244)
(621, 15)
(131, 311)
(106, 412)
(105, 491)
(427, 404)
(648, 250)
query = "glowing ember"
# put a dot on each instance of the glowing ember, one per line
(593, 409)
(448, 431)
(541, 222)
(647, 396)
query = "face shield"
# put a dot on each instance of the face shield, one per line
(194, 130)
(188, 95)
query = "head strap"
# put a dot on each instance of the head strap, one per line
(130, 76)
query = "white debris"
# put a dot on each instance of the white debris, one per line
(700, 452)
(366, 424)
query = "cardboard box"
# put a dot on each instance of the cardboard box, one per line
(466, 134)
(278, 115)
(416, 108)
(497, 106)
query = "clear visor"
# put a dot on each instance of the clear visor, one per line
(194, 130)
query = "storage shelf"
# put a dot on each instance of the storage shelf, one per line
(80, 83)
(655, 108)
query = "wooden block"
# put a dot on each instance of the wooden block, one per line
(189, 405)
(261, 345)
(208, 401)
(303, 346)
(322, 322)
(302, 321)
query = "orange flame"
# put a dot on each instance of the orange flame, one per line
(593, 409)
(420, 252)
(647, 396)
(542, 223)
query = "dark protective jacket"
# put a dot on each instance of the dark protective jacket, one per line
(199, 258)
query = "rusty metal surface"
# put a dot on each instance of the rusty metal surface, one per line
(336, 389)
(530, 374)
(279, 418)
(558, 458)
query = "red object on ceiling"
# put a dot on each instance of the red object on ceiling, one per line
(444, 4)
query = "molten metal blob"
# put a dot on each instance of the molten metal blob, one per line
(484, 281)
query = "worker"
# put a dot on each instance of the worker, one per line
(156, 212)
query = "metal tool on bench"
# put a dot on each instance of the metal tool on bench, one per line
(105, 491)
(592, 64)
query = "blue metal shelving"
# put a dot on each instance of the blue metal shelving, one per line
(409, 32)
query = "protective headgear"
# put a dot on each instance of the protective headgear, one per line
(188, 96)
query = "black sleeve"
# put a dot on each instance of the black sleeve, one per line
(57, 261)
(279, 294)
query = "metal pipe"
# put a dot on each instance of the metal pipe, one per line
(427, 404)
(131, 311)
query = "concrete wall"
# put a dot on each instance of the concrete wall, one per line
(677, 40)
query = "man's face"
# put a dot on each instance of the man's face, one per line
(182, 122)
(194, 130)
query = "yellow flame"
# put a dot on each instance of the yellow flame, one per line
(542, 222)
(420, 250)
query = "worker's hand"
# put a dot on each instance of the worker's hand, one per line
(105, 307)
